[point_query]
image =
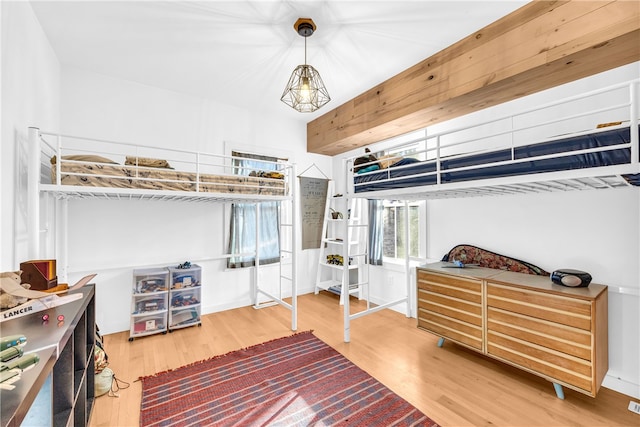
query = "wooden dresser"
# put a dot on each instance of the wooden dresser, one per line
(553, 331)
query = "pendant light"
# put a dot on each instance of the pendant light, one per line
(305, 91)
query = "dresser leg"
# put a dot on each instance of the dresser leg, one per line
(559, 391)
(440, 342)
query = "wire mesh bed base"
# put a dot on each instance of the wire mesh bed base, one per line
(511, 185)
(79, 192)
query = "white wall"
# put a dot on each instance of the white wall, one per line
(595, 231)
(112, 237)
(30, 95)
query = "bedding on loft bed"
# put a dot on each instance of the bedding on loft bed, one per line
(409, 172)
(144, 173)
(101, 174)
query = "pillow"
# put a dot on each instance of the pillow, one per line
(147, 162)
(468, 254)
(369, 168)
(388, 160)
(91, 158)
(368, 158)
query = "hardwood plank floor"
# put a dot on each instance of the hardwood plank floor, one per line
(452, 385)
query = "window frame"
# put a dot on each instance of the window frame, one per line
(422, 221)
(228, 216)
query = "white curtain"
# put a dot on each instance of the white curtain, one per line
(242, 234)
(376, 231)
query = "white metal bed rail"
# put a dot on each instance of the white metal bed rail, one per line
(198, 163)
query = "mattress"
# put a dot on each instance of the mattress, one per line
(413, 173)
(91, 174)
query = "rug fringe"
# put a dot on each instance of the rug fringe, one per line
(199, 362)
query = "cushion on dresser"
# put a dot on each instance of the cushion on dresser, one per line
(469, 254)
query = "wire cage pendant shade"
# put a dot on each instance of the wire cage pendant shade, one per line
(305, 91)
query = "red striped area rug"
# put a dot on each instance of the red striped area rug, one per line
(293, 381)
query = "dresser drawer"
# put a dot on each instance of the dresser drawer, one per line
(565, 339)
(554, 308)
(541, 360)
(451, 328)
(451, 307)
(457, 287)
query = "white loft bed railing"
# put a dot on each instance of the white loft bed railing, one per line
(617, 103)
(196, 167)
(569, 117)
(196, 181)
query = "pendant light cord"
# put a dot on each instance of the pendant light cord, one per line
(305, 50)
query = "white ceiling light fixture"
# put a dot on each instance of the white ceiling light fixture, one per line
(305, 91)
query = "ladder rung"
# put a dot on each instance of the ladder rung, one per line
(330, 240)
(326, 284)
(339, 267)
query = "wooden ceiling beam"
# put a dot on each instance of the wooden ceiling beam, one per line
(539, 46)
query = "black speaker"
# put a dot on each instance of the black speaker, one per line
(571, 278)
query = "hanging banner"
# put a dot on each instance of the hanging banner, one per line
(313, 198)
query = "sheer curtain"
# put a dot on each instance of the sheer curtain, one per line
(242, 233)
(376, 231)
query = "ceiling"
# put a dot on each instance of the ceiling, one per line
(242, 53)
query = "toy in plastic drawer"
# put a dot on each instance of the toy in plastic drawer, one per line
(184, 297)
(185, 277)
(180, 318)
(148, 325)
(149, 304)
(146, 284)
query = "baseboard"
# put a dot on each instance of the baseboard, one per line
(621, 386)
(229, 305)
(244, 302)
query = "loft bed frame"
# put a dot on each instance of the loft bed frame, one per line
(597, 148)
(513, 154)
(64, 167)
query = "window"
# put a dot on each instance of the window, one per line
(242, 231)
(394, 227)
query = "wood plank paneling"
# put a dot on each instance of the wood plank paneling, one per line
(541, 45)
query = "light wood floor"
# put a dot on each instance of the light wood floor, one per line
(452, 385)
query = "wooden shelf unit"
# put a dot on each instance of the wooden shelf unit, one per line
(59, 390)
(527, 321)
